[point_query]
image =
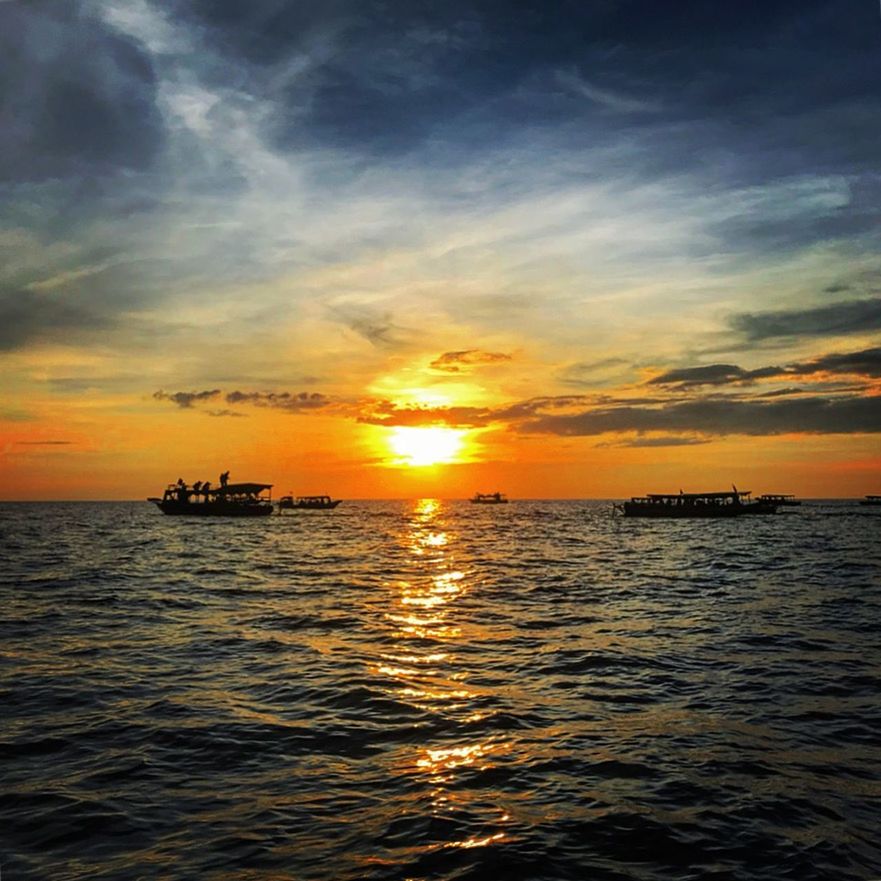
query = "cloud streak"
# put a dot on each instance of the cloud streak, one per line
(718, 417)
(187, 400)
(454, 362)
(853, 316)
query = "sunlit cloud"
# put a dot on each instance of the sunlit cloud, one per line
(456, 362)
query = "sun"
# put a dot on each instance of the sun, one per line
(426, 446)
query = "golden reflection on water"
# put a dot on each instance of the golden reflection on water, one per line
(429, 626)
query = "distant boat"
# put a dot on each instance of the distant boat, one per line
(489, 499)
(231, 500)
(871, 500)
(312, 503)
(682, 505)
(786, 499)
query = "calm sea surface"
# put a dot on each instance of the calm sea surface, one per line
(438, 690)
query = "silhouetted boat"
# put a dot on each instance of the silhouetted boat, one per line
(681, 505)
(489, 499)
(312, 503)
(232, 500)
(871, 500)
(785, 499)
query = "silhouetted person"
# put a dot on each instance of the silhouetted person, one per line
(197, 486)
(206, 486)
(224, 478)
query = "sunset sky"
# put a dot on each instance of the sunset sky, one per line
(406, 248)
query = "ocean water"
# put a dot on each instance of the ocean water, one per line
(438, 690)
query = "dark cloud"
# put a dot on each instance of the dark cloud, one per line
(853, 316)
(666, 441)
(715, 416)
(76, 97)
(45, 443)
(712, 374)
(27, 315)
(185, 400)
(391, 77)
(453, 362)
(377, 328)
(782, 392)
(864, 363)
(292, 402)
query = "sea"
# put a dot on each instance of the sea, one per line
(430, 689)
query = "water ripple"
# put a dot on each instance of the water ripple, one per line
(436, 690)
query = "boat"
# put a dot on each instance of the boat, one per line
(311, 503)
(489, 499)
(705, 505)
(785, 499)
(871, 500)
(228, 500)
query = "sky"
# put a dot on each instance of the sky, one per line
(397, 248)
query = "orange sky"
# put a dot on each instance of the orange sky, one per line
(89, 446)
(602, 272)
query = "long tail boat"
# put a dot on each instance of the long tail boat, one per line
(709, 504)
(787, 500)
(310, 503)
(231, 500)
(489, 499)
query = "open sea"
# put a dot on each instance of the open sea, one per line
(438, 690)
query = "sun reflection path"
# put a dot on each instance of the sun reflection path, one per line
(429, 624)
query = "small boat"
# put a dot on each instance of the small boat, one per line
(311, 503)
(702, 505)
(871, 501)
(489, 499)
(784, 499)
(229, 500)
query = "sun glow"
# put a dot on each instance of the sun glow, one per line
(426, 446)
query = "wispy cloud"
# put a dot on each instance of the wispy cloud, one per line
(865, 363)
(609, 98)
(186, 400)
(454, 362)
(853, 316)
(720, 417)
(292, 402)
(673, 440)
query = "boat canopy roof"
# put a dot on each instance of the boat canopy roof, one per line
(715, 495)
(233, 489)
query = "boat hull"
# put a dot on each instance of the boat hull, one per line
(213, 509)
(328, 507)
(692, 512)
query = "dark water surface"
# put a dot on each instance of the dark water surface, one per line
(437, 690)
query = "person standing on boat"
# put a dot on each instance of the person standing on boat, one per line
(224, 478)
